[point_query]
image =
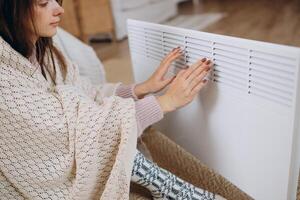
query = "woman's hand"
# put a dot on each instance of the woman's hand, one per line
(185, 86)
(157, 82)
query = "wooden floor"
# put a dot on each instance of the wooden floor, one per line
(276, 21)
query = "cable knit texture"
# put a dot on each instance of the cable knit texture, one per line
(64, 141)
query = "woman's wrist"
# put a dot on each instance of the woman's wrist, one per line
(141, 90)
(165, 104)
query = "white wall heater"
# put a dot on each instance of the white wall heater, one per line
(245, 123)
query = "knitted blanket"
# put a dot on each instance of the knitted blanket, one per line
(64, 141)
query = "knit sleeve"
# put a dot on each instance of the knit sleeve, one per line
(126, 91)
(148, 112)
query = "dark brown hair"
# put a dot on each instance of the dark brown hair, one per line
(16, 17)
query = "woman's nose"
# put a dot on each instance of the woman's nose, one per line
(58, 10)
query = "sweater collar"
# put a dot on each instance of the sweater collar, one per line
(13, 58)
(10, 57)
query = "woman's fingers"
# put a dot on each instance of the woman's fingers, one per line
(171, 54)
(204, 67)
(195, 81)
(173, 57)
(169, 59)
(198, 79)
(188, 72)
(200, 64)
(198, 87)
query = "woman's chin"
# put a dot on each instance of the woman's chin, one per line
(50, 33)
(53, 32)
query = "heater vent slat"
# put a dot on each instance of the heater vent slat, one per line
(277, 74)
(153, 32)
(198, 47)
(173, 42)
(155, 46)
(232, 49)
(193, 55)
(285, 82)
(229, 82)
(229, 71)
(271, 94)
(230, 59)
(272, 64)
(284, 60)
(170, 46)
(153, 39)
(198, 42)
(173, 36)
(229, 76)
(229, 54)
(228, 65)
(274, 87)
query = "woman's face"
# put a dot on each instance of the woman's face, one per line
(46, 18)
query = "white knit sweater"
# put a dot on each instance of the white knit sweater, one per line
(69, 141)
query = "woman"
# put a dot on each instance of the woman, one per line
(61, 138)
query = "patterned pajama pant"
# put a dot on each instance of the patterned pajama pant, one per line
(163, 184)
